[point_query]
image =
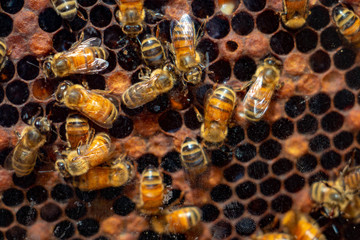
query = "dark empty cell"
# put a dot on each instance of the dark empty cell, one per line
(344, 58)
(344, 100)
(16, 233)
(258, 131)
(282, 166)
(254, 5)
(173, 236)
(122, 127)
(270, 186)
(221, 157)
(63, 40)
(235, 135)
(100, 16)
(257, 207)
(306, 40)
(267, 221)
(233, 173)
(270, 149)
(149, 235)
(282, 128)
(173, 195)
(101, 238)
(28, 68)
(167, 180)
(330, 39)
(128, 58)
(17, 92)
(2, 94)
(8, 72)
(171, 162)
(242, 23)
(231, 46)
(26, 215)
(191, 120)
(6, 218)
(319, 143)
(220, 71)
(233, 210)
(12, 6)
(87, 3)
(307, 162)
(352, 231)
(31, 110)
(329, 3)
(245, 152)
(295, 106)
(318, 18)
(64, 230)
(170, 121)
(110, 192)
(246, 226)
(3, 154)
(90, 32)
(267, 21)
(202, 91)
(319, 176)
(307, 125)
(37, 195)
(12, 197)
(294, 183)
(281, 204)
(330, 160)
(332, 233)
(282, 42)
(112, 62)
(113, 36)
(56, 113)
(332, 121)
(51, 136)
(220, 193)
(245, 190)
(218, 27)
(320, 61)
(203, 8)
(209, 213)
(208, 48)
(25, 181)
(145, 161)
(244, 68)
(131, 112)
(61, 192)
(49, 20)
(79, 22)
(221, 230)
(123, 206)
(96, 82)
(353, 78)
(258, 170)
(343, 140)
(319, 103)
(75, 210)
(88, 227)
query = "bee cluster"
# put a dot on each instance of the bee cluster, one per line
(151, 105)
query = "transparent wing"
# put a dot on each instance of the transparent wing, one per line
(95, 66)
(91, 42)
(186, 26)
(8, 161)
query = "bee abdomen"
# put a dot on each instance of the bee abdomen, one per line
(153, 52)
(66, 8)
(3, 50)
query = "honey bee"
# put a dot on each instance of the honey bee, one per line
(77, 130)
(89, 103)
(177, 221)
(218, 110)
(83, 57)
(295, 13)
(301, 226)
(348, 23)
(273, 236)
(131, 15)
(101, 177)
(67, 9)
(152, 51)
(23, 158)
(265, 81)
(158, 82)
(193, 158)
(184, 42)
(77, 162)
(3, 53)
(151, 191)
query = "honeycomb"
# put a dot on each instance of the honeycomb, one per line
(263, 170)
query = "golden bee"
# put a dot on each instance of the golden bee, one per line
(219, 107)
(77, 130)
(301, 226)
(131, 15)
(265, 81)
(177, 221)
(184, 42)
(151, 191)
(23, 158)
(295, 13)
(272, 236)
(77, 162)
(67, 9)
(83, 57)
(158, 82)
(152, 51)
(118, 174)
(94, 106)
(348, 23)
(3, 53)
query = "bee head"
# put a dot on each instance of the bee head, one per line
(61, 90)
(47, 67)
(42, 124)
(132, 30)
(60, 166)
(272, 61)
(193, 75)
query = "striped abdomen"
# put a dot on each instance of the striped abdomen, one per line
(3, 51)
(348, 23)
(181, 220)
(152, 51)
(220, 105)
(274, 236)
(67, 9)
(86, 57)
(352, 180)
(98, 150)
(193, 157)
(77, 130)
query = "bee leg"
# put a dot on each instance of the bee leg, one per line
(80, 15)
(279, 85)
(199, 116)
(155, 15)
(201, 31)
(145, 76)
(17, 134)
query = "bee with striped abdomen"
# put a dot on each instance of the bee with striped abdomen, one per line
(152, 51)
(348, 23)
(295, 13)
(23, 158)
(131, 15)
(3, 53)
(83, 57)
(272, 236)
(219, 107)
(67, 9)
(265, 81)
(94, 106)
(77, 130)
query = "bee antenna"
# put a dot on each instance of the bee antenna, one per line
(33, 64)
